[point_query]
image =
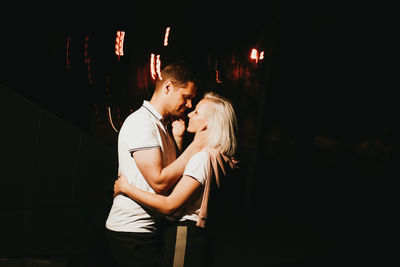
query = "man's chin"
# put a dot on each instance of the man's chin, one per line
(181, 113)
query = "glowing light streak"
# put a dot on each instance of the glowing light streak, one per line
(261, 55)
(217, 72)
(254, 55)
(166, 36)
(158, 67)
(68, 60)
(86, 53)
(152, 67)
(110, 119)
(87, 59)
(119, 43)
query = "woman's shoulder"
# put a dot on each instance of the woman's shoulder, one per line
(202, 155)
(205, 156)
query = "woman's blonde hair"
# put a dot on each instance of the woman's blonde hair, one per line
(221, 124)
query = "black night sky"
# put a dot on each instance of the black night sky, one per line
(325, 56)
(316, 116)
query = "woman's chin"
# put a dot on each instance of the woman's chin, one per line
(190, 130)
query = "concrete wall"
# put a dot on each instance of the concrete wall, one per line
(56, 183)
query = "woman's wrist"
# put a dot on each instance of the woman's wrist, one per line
(125, 188)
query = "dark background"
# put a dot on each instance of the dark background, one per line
(317, 122)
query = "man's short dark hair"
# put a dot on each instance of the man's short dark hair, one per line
(178, 72)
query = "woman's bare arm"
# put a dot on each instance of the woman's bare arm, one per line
(166, 205)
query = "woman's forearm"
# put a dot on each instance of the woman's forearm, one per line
(179, 143)
(156, 202)
(166, 205)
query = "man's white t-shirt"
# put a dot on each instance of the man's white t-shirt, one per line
(141, 130)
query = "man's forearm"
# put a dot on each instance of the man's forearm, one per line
(174, 171)
(150, 164)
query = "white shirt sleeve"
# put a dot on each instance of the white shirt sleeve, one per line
(198, 167)
(141, 133)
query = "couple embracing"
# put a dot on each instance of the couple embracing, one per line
(163, 193)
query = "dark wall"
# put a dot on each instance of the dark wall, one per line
(56, 185)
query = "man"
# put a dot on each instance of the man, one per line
(147, 157)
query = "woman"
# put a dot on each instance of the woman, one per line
(188, 202)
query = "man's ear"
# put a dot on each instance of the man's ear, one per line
(168, 87)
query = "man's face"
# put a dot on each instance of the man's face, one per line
(180, 99)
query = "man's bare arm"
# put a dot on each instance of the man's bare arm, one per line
(161, 179)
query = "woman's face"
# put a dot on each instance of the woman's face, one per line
(197, 118)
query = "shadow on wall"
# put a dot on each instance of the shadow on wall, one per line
(56, 186)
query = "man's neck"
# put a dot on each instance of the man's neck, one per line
(158, 104)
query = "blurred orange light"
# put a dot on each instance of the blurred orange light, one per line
(254, 54)
(87, 59)
(119, 43)
(155, 66)
(166, 36)
(110, 119)
(261, 55)
(68, 53)
(158, 67)
(152, 66)
(217, 72)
